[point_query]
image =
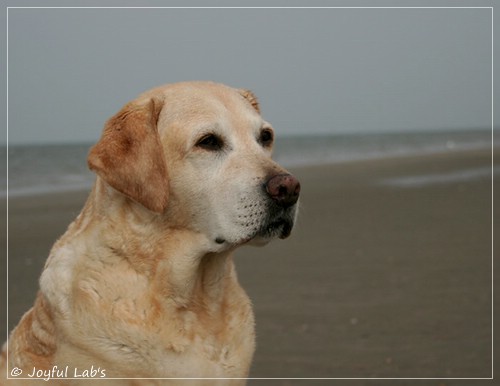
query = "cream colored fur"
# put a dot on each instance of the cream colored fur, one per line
(142, 284)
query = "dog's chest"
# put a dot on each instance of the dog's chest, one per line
(137, 329)
(209, 347)
(185, 346)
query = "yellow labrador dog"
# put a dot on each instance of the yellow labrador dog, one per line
(142, 284)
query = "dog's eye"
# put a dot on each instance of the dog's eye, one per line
(210, 142)
(266, 137)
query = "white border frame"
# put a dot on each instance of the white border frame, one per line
(261, 7)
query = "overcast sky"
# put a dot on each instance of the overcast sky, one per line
(314, 70)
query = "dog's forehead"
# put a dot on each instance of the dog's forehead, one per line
(205, 98)
(205, 105)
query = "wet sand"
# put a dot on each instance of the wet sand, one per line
(383, 276)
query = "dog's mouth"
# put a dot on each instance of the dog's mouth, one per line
(280, 228)
(279, 223)
(271, 229)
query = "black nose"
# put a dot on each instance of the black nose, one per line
(284, 189)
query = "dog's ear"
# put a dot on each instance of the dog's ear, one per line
(250, 97)
(129, 155)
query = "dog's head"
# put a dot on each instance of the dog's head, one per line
(199, 154)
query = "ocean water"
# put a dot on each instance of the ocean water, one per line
(54, 168)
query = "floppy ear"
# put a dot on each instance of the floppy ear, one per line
(249, 96)
(129, 155)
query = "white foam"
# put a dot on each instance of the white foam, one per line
(45, 189)
(421, 180)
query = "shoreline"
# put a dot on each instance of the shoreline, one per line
(26, 194)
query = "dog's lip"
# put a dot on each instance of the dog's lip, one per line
(287, 229)
(282, 225)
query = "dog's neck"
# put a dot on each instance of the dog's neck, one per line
(179, 262)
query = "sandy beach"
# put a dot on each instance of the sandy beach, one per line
(386, 275)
